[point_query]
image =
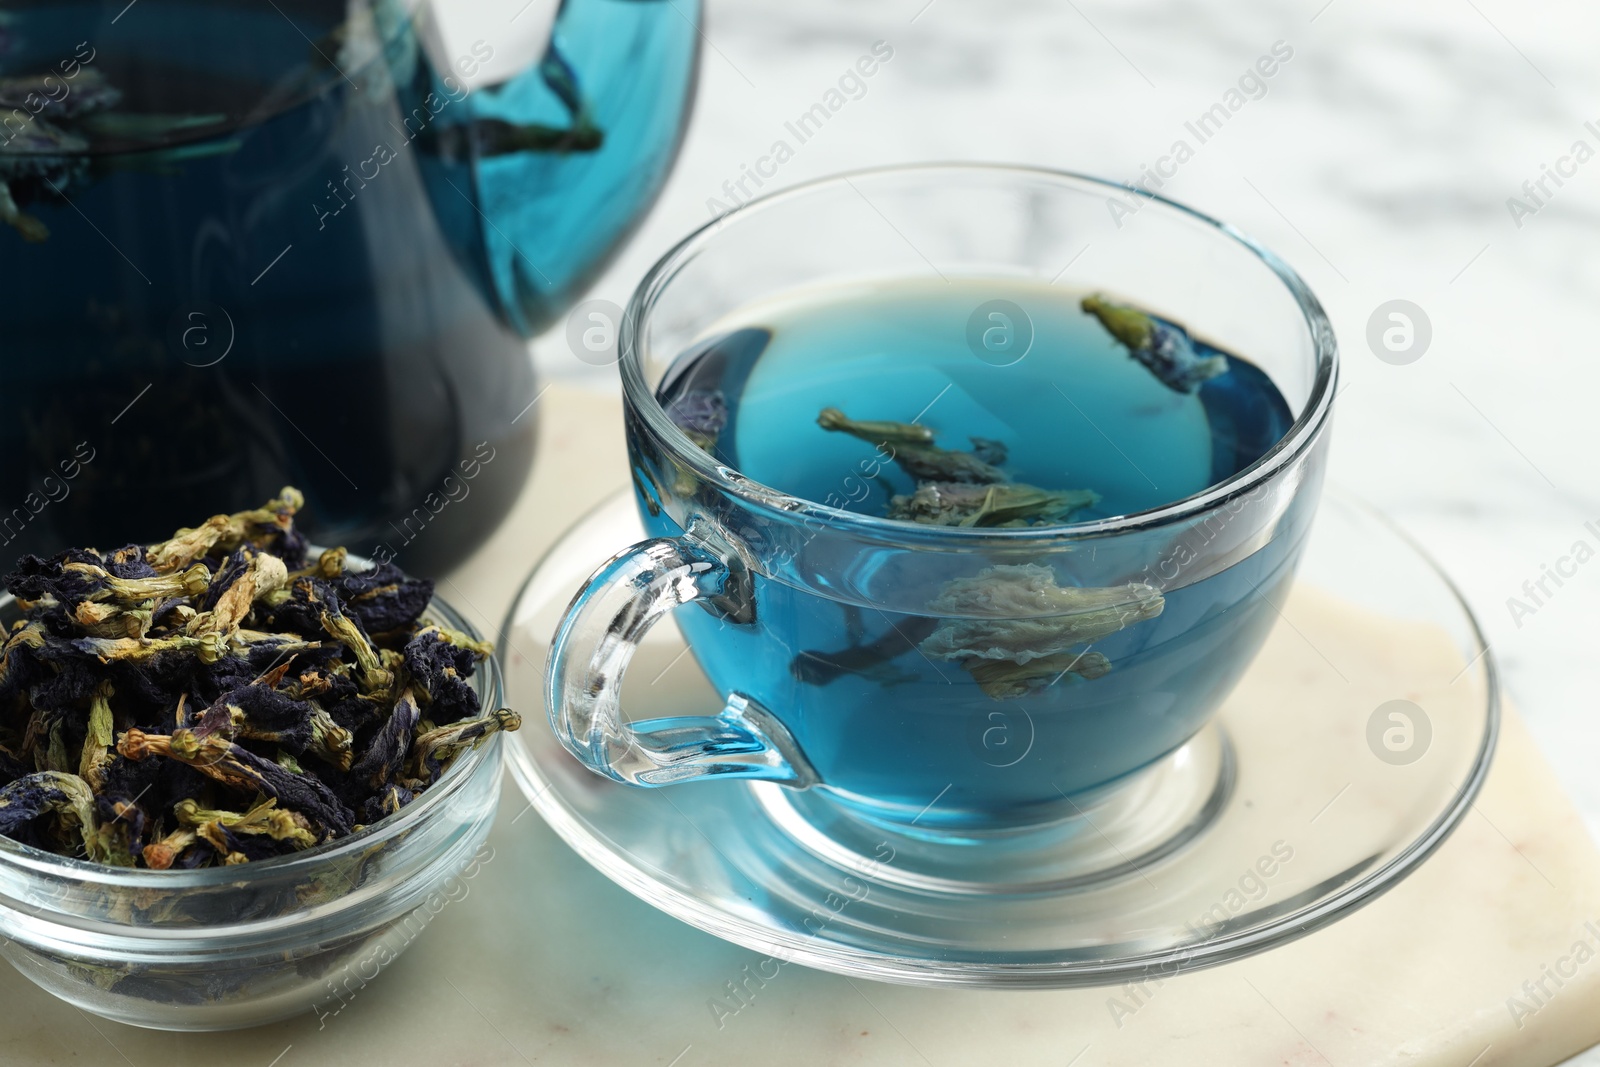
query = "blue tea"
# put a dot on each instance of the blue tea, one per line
(984, 404)
(248, 244)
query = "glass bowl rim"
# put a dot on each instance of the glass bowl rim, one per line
(1301, 435)
(489, 683)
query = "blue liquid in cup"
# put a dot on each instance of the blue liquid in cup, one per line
(888, 726)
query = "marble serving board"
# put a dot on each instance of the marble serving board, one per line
(543, 961)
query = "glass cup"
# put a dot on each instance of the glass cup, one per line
(759, 580)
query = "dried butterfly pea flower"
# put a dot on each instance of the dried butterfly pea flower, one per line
(106, 619)
(330, 564)
(990, 451)
(312, 605)
(433, 750)
(76, 576)
(51, 793)
(208, 648)
(34, 93)
(387, 750)
(1162, 347)
(390, 800)
(330, 741)
(269, 528)
(871, 659)
(265, 818)
(478, 649)
(439, 667)
(155, 786)
(894, 434)
(129, 562)
(959, 488)
(227, 571)
(120, 833)
(259, 649)
(383, 598)
(375, 673)
(963, 504)
(298, 606)
(217, 757)
(1017, 614)
(1009, 652)
(247, 576)
(1024, 614)
(337, 692)
(97, 745)
(259, 712)
(20, 667)
(161, 854)
(45, 739)
(236, 848)
(701, 414)
(70, 677)
(1003, 679)
(198, 674)
(913, 449)
(105, 585)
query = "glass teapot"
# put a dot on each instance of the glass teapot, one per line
(251, 243)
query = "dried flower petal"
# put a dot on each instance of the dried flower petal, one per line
(1015, 627)
(962, 504)
(1022, 614)
(913, 449)
(47, 793)
(1162, 347)
(438, 747)
(186, 681)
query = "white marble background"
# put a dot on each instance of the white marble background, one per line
(1379, 164)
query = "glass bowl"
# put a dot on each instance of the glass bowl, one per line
(228, 947)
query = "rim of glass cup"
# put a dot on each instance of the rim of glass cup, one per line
(1300, 436)
(490, 692)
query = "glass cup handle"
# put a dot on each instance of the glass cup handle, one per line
(596, 639)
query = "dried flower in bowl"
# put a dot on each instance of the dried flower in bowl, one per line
(220, 698)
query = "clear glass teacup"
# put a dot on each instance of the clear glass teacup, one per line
(898, 728)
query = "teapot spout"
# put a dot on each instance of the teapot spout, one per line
(538, 178)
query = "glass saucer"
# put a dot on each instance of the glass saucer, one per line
(1351, 749)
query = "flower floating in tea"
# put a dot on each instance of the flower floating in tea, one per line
(960, 504)
(701, 414)
(1162, 347)
(218, 698)
(916, 454)
(958, 488)
(1015, 627)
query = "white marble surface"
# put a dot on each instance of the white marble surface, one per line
(1379, 164)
